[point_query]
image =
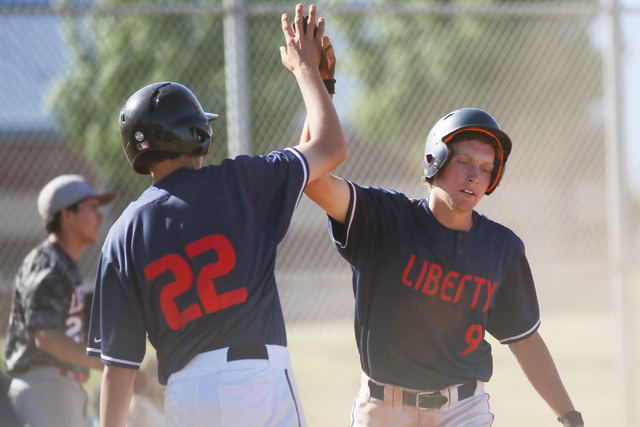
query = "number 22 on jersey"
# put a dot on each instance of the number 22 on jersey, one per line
(209, 298)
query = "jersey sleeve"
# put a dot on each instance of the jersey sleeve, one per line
(274, 185)
(116, 332)
(515, 314)
(340, 232)
(371, 218)
(44, 307)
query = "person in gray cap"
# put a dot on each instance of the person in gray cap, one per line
(45, 351)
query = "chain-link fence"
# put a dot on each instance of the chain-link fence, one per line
(546, 71)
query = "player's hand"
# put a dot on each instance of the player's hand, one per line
(303, 44)
(328, 61)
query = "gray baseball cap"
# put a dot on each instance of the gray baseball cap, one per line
(65, 191)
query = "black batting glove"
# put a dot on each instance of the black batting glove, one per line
(571, 419)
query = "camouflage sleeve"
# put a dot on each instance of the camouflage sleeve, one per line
(46, 306)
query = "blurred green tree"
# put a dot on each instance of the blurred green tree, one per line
(409, 65)
(127, 44)
(412, 68)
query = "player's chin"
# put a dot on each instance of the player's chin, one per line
(467, 203)
(93, 238)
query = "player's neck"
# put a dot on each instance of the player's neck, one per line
(449, 216)
(161, 169)
(73, 247)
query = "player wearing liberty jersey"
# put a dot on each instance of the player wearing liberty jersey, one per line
(190, 264)
(430, 278)
(451, 286)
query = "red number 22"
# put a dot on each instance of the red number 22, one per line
(181, 270)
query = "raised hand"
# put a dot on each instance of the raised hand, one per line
(303, 42)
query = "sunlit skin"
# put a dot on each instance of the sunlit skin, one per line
(161, 169)
(87, 221)
(458, 188)
(80, 228)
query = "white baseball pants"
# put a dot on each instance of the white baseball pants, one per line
(213, 392)
(368, 411)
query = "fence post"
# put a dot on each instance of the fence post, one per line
(236, 76)
(617, 212)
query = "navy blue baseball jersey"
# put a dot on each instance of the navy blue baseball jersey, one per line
(425, 294)
(191, 263)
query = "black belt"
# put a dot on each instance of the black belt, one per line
(424, 399)
(250, 351)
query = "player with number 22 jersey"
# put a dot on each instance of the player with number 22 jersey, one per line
(220, 227)
(190, 264)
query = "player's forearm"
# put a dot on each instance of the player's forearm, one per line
(323, 123)
(306, 136)
(115, 396)
(64, 348)
(536, 362)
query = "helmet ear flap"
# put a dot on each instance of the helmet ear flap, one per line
(164, 117)
(204, 140)
(499, 163)
(435, 157)
(429, 158)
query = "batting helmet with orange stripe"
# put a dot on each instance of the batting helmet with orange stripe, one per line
(437, 151)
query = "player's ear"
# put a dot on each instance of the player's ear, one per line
(65, 214)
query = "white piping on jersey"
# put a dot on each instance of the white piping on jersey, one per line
(124, 362)
(304, 169)
(351, 214)
(521, 335)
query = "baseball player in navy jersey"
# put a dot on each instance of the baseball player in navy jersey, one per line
(190, 264)
(431, 277)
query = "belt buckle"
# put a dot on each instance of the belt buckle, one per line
(430, 400)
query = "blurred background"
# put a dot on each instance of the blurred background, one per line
(558, 77)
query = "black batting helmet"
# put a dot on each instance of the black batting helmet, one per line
(165, 117)
(437, 151)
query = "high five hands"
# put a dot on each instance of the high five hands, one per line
(303, 40)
